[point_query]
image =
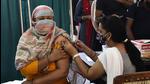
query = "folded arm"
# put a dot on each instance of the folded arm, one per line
(62, 67)
(38, 65)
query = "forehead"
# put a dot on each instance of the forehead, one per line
(44, 17)
(42, 11)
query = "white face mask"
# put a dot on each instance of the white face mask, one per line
(43, 27)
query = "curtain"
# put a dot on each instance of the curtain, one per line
(10, 33)
(11, 30)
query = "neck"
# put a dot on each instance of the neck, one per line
(111, 44)
(114, 44)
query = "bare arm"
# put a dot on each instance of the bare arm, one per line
(60, 72)
(92, 73)
(128, 28)
(49, 59)
(62, 65)
(38, 65)
(92, 54)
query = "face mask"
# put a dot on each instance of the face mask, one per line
(43, 27)
(101, 38)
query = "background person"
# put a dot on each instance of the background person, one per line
(138, 19)
(109, 7)
(87, 34)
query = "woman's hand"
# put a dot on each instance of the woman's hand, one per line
(57, 54)
(69, 48)
(80, 45)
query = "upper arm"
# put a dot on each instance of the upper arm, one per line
(129, 24)
(62, 38)
(97, 70)
(131, 13)
(63, 65)
(129, 21)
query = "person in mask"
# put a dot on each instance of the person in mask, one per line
(138, 19)
(38, 51)
(87, 34)
(119, 58)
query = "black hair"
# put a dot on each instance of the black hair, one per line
(116, 26)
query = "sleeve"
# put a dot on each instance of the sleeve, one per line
(131, 11)
(66, 36)
(103, 59)
(112, 62)
(100, 4)
(30, 69)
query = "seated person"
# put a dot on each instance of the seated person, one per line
(119, 58)
(38, 51)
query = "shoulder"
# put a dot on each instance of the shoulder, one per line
(27, 35)
(108, 55)
(28, 32)
(62, 33)
(110, 50)
(62, 38)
